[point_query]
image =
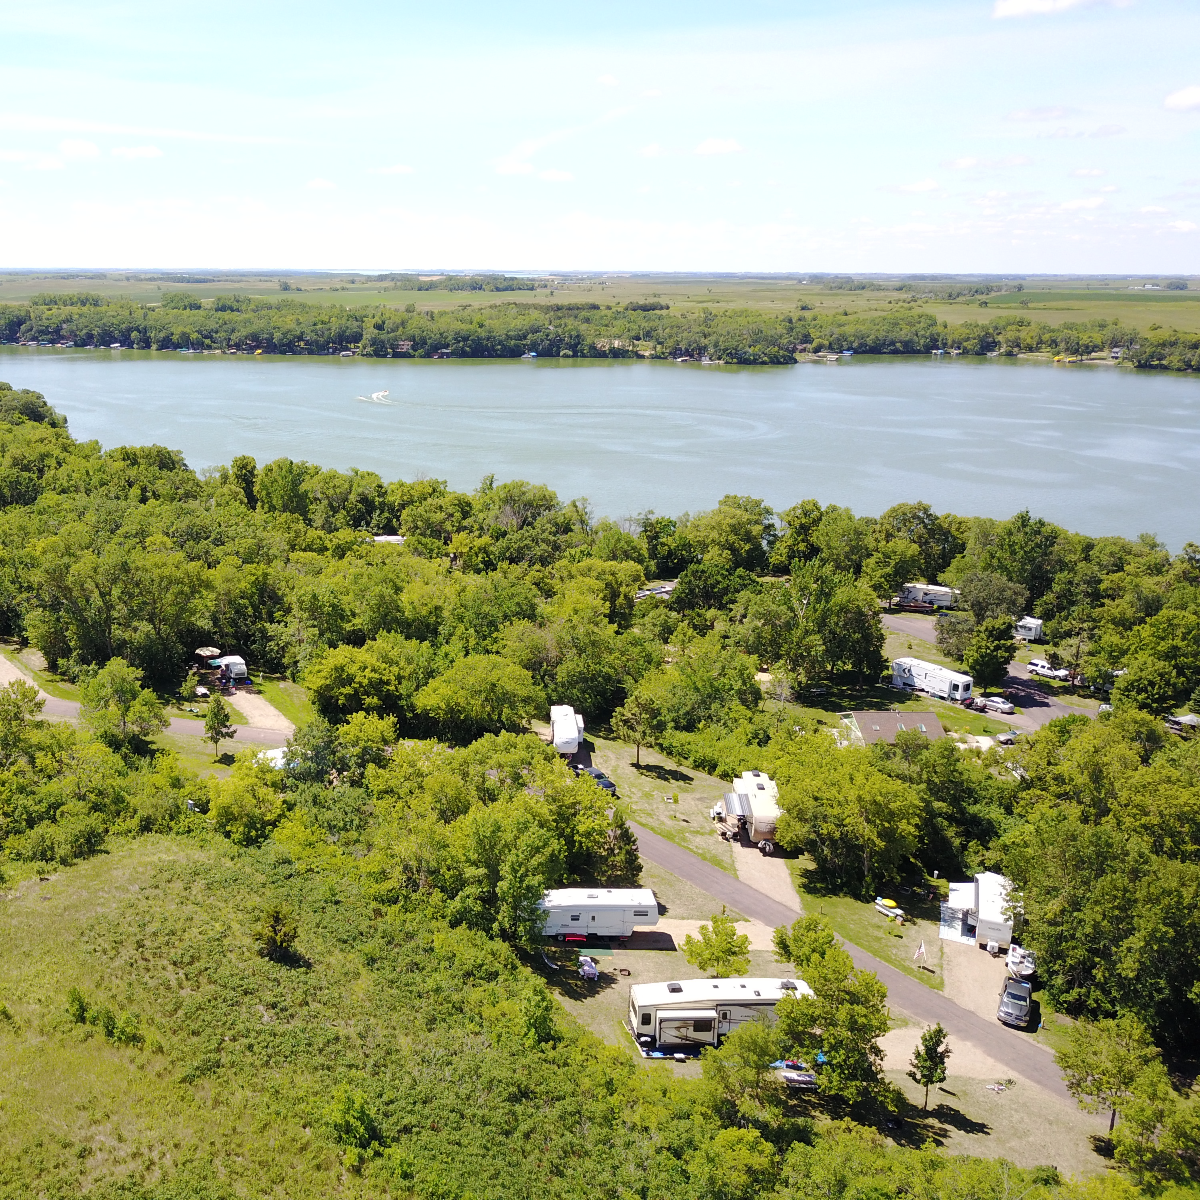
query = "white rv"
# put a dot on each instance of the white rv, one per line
(991, 912)
(917, 675)
(566, 728)
(753, 805)
(1029, 628)
(932, 595)
(574, 914)
(699, 1012)
(234, 664)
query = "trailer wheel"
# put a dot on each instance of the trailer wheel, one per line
(562, 937)
(766, 848)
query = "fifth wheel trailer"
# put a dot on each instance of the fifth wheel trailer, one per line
(916, 674)
(574, 914)
(753, 805)
(700, 1012)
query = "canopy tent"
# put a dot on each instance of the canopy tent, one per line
(208, 652)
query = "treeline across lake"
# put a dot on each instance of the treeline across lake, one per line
(510, 329)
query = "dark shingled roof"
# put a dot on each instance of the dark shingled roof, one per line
(883, 726)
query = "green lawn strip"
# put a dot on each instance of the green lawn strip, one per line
(194, 710)
(906, 645)
(643, 795)
(51, 684)
(290, 698)
(879, 699)
(197, 754)
(859, 923)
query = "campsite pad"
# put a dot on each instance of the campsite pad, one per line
(599, 954)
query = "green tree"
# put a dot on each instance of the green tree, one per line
(482, 693)
(806, 940)
(928, 1065)
(276, 932)
(739, 1077)
(218, 723)
(1103, 1061)
(117, 708)
(719, 948)
(737, 1164)
(953, 632)
(986, 595)
(1149, 684)
(890, 567)
(243, 472)
(20, 704)
(639, 720)
(989, 652)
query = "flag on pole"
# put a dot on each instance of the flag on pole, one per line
(920, 952)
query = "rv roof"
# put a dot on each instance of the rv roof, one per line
(716, 991)
(991, 896)
(600, 897)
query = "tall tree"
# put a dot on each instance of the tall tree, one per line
(218, 723)
(719, 948)
(928, 1065)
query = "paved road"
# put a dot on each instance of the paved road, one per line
(1040, 705)
(1013, 1050)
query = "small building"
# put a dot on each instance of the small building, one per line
(867, 728)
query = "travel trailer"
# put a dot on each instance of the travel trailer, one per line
(1029, 628)
(700, 1012)
(917, 675)
(575, 914)
(566, 728)
(990, 912)
(753, 805)
(926, 595)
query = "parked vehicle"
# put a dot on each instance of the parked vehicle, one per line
(796, 1075)
(1041, 668)
(1006, 738)
(915, 674)
(752, 806)
(700, 1012)
(998, 704)
(599, 776)
(575, 914)
(1016, 1001)
(566, 728)
(927, 595)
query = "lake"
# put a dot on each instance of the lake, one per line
(1097, 449)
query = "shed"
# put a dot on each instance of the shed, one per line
(871, 727)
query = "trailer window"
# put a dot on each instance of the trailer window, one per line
(646, 1018)
(702, 1026)
(641, 912)
(574, 916)
(724, 1014)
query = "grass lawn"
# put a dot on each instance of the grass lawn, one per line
(644, 790)
(859, 923)
(195, 709)
(197, 754)
(290, 698)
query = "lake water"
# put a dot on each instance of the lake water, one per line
(1097, 449)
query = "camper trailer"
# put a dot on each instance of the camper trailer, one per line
(917, 675)
(566, 728)
(925, 596)
(575, 914)
(991, 913)
(234, 666)
(1029, 628)
(700, 1012)
(753, 805)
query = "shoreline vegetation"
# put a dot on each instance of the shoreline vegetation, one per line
(647, 329)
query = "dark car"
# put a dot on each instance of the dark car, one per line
(599, 776)
(1016, 999)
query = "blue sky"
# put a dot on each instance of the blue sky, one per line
(953, 135)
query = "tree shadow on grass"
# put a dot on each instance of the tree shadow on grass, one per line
(661, 773)
(912, 1126)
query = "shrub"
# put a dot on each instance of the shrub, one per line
(276, 933)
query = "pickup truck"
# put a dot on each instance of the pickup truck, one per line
(1039, 667)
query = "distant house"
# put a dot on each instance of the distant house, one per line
(867, 728)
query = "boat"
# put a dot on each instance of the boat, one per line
(1021, 963)
(889, 908)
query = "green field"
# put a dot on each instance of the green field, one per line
(1052, 301)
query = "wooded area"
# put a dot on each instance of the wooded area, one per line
(414, 826)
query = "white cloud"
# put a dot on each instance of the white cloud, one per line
(1184, 100)
(398, 169)
(1037, 8)
(128, 152)
(1110, 187)
(1086, 172)
(718, 146)
(1153, 208)
(77, 150)
(922, 185)
(1082, 202)
(608, 80)
(1183, 226)
(654, 150)
(555, 176)
(320, 185)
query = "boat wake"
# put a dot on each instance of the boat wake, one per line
(376, 398)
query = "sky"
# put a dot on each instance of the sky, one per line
(1057, 136)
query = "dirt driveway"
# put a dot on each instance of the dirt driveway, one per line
(260, 712)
